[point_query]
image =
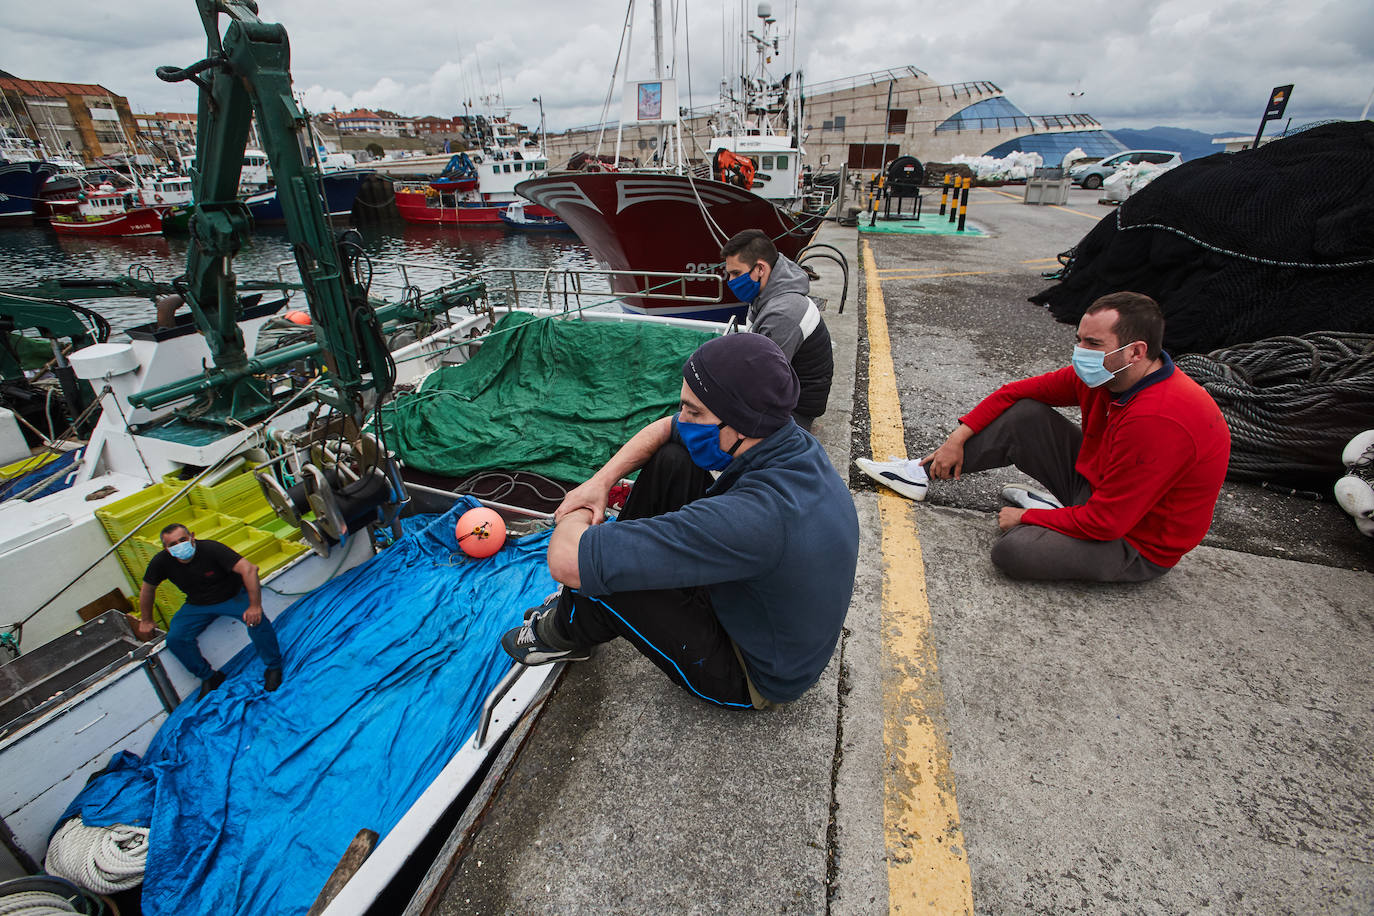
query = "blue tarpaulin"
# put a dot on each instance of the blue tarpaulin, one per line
(251, 797)
(60, 474)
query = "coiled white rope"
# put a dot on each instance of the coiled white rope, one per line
(100, 859)
(36, 903)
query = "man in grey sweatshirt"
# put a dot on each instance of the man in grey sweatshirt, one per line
(779, 308)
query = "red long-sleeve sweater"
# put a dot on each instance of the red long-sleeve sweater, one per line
(1155, 457)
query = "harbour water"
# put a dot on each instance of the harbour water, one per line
(31, 254)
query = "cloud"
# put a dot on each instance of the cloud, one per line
(1207, 64)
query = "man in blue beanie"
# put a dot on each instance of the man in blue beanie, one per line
(736, 587)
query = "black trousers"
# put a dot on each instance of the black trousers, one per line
(1039, 441)
(675, 628)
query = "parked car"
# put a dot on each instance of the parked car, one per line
(1091, 175)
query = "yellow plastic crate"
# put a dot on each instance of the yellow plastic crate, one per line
(120, 518)
(274, 554)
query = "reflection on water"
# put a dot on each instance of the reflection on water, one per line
(31, 254)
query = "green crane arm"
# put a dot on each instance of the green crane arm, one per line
(247, 72)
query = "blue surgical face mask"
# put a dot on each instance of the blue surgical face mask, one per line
(702, 441)
(183, 551)
(1088, 364)
(745, 287)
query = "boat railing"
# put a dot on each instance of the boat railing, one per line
(575, 289)
(568, 289)
(388, 274)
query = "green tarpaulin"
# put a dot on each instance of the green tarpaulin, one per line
(556, 397)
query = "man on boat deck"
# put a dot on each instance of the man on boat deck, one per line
(736, 588)
(780, 309)
(1131, 491)
(218, 583)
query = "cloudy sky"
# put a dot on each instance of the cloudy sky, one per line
(1204, 64)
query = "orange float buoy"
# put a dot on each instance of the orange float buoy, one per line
(480, 532)
(298, 317)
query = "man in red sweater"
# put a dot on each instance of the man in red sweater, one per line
(1131, 491)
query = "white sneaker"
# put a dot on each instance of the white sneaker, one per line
(1029, 498)
(905, 476)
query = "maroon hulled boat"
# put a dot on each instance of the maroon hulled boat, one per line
(639, 221)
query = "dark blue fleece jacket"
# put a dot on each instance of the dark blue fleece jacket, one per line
(775, 541)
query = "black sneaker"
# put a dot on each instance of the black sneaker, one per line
(523, 644)
(211, 682)
(271, 679)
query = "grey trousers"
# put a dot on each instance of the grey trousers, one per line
(1042, 443)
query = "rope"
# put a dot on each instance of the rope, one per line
(36, 903)
(100, 859)
(1292, 403)
(1309, 265)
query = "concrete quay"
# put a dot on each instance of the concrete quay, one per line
(1198, 744)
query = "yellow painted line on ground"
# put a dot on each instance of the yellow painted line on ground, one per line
(1094, 218)
(1041, 261)
(921, 276)
(927, 870)
(1020, 199)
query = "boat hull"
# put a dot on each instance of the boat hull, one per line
(419, 207)
(649, 222)
(19, 182)
(135, 221)
(550, 224)
(340, 192)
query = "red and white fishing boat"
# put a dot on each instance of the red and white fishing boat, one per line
(105, 211)
(675, 218)
(481, 190)
(420, 203)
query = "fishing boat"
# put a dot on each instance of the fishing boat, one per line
(676, 215)
(163, 191)
(460, 195)
(515, 216)
(105, 211)
(23, 170)
(420, 203)
(340, 188)
(396, 699)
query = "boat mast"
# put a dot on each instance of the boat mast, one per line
(629, 42)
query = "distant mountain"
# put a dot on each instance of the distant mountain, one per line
(1190, 144)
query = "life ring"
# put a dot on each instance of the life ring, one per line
(157, 198)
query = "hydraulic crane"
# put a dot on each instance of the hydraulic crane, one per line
(246, 74)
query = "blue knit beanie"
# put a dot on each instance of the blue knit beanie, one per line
(746, 381)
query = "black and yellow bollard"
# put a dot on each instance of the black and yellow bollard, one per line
(963, 203)
(954, 200)
(873, 220)
(944, 193)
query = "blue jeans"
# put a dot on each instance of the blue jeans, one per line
(192, 619)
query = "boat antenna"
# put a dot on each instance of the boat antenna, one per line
(610, 91)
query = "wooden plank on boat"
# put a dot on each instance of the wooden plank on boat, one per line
(353, 859)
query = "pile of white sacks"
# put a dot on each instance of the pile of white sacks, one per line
(1014, 167)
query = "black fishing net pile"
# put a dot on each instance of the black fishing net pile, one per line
(1292, 403)
(1238, 247)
